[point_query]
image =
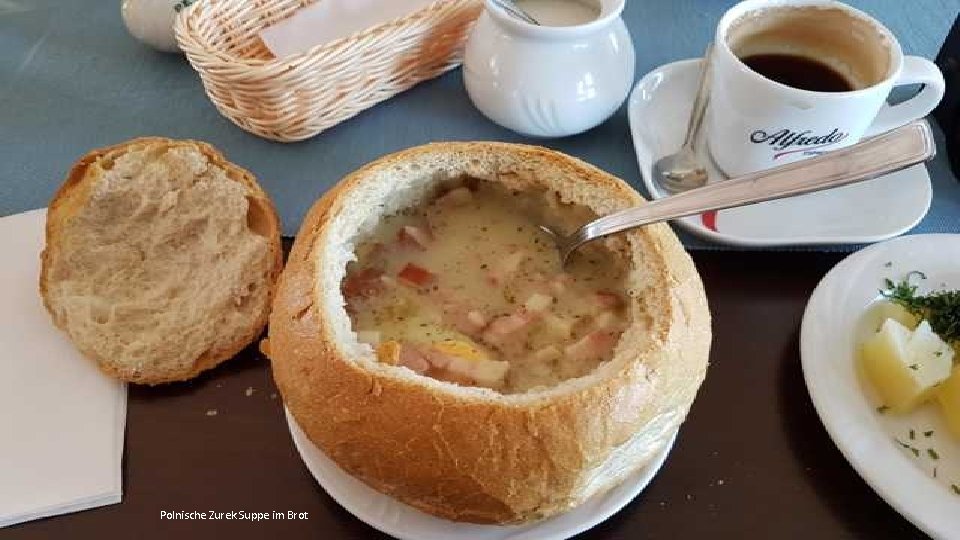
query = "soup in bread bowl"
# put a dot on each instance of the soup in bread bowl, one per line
(426, 337)
(466, 288)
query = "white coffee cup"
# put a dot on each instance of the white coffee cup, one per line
(755, 122)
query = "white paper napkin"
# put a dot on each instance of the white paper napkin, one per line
(323, 22)
(61, 420)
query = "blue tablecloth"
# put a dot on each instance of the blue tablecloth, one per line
(72, 79)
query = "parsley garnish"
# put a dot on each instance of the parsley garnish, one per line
(913, 435)
(882, 409)
(933, 453)
(955, 488)
(941, 309)
(916, 451)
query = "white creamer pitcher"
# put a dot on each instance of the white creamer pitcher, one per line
(549, 81)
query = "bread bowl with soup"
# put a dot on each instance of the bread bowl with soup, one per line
(427, 339)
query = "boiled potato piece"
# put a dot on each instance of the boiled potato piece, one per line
(885, 358)
(949, 397)
(882, 311)
(905, 367)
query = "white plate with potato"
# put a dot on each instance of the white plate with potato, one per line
(904, 449)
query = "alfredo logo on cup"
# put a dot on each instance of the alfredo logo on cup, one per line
(796, 78)
(784, 142)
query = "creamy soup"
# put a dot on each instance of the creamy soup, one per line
(467, 289)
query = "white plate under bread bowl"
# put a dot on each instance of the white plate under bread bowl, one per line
(473, 454)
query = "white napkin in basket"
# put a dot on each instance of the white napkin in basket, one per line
(330, 20)
(61, 420)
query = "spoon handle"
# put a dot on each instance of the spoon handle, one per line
(516, 11)
(700, 103)
(868, 159)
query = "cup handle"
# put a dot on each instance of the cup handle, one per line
(916, 70)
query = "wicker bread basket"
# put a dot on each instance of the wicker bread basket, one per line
(297, 97)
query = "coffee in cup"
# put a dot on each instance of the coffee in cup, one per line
(796, 78)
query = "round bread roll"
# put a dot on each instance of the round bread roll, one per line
(473, 454)
(161, 259)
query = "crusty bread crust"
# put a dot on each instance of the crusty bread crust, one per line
(471, 454)
(71, 198)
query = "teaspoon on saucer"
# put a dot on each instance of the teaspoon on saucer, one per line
(883, 154)
(684, 170)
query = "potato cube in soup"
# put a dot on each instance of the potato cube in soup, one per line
(903, 366)
(949, 397)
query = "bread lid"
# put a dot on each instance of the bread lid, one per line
(473, 454)
(161, 259)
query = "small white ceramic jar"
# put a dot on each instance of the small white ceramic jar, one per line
(151, 21)
(549, 81)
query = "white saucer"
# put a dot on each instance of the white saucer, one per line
(831, 332)
(861, 213)
(401, 521)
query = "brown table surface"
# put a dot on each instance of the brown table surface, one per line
(752, 460)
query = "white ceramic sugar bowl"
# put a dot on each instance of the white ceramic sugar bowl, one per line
(549, 81)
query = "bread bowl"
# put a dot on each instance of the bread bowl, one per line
(161, 259)
(469, 453)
